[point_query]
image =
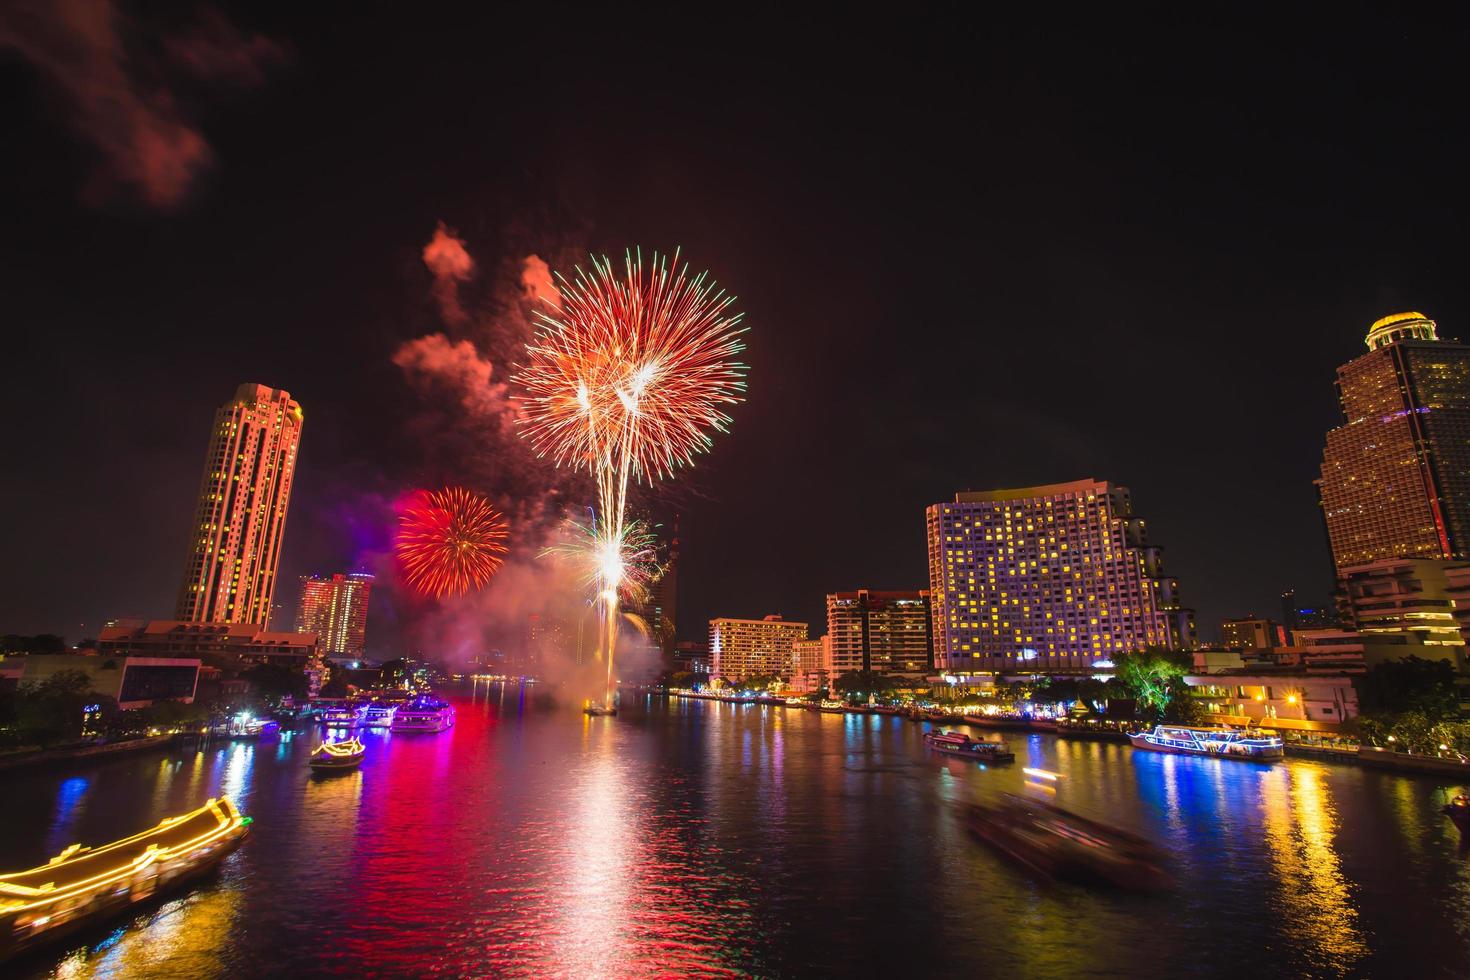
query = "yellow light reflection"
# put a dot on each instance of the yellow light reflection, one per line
(1319, 914)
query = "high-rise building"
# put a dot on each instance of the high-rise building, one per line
(883, 631)
(1048, 578)
(336, 609)
(235, 543)
(1396, 476)
(1408, 601)
(741, 648)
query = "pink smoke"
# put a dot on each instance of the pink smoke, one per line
(537, 284)
(434, 360)
(116, 95)
(450, 263)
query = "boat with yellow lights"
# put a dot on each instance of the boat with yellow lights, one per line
(82, 886)
(338, 756)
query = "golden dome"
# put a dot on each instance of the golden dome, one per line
(1400, 326)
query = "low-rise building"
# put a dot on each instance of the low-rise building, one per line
(1408, 598)
(742, 648)
(222, 644)
(133, 682)
(1281, 698)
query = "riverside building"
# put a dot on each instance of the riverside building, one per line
(1395, 479)
(335, 609)
(881, 631)
(741, 648)
(1043, 579)
(240, 518)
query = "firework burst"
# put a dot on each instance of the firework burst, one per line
(628, 379)
(449, 542)
(627, 563)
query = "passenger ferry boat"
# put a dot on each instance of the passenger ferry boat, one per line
(379, 714)
(1230, 743)
(82, 886)
(424, 713)
(953, 743)
(1458, 810)
(342, 714)
(338, 756)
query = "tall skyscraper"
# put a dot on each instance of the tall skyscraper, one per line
(336, 609)
(741, 648)
(240, 520)
(1049, 578)
(1396, 476)
(883, 631)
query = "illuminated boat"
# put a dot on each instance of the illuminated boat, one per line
(833, 707)
(1061, 844)
(81, 886)
(953, 743)
(424, 713)
(342, 714)
(379, 714)
(1458, 810)
(1227, 743)
(599, 710)
(338, 756)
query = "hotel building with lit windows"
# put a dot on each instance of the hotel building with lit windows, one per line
(240, 518)
(886, 632)
(1395, 478)
(335, 609)
(1047, 579)
(741, 648)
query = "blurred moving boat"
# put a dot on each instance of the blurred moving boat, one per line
(1061, 844)
(338, 756)
(599, 710)
(341, 714)
(953, 743)
(82, 886)
(379, 714)
(424, 713)
(1458, 810)
(1230, 743)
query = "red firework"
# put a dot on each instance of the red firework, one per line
(450, 542)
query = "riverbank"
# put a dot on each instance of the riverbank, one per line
(83, 753)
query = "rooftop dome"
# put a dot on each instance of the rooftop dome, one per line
(1400, 326)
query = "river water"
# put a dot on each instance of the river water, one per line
(700, 838)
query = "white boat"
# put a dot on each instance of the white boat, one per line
(424, 713)
(342, 714)
(1230, 743)
(379, 714)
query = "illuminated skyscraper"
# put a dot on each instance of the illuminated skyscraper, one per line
(336, 609)
(240, 520)
(1396, 476)
(883, 631)
(1049, 578)
(741, 648)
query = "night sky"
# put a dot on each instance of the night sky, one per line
(972, 254)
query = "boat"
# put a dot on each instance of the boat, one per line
(599, 710)
(424, 713)
(1458, 810)
(936, 715)
(885, 709)
(1061, 844)
(1229, 743)
(338, 756)
(83, 886)
(954, 743)
(341, 714)
(378, 714)
(832, 707)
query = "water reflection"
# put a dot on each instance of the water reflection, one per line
(714, 839)
(1313, 900)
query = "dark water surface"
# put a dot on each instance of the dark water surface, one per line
(705, 838)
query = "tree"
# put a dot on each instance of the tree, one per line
(1412, 684)
(865, 682)
(51, 710)
(1148, 677)
(275, 681)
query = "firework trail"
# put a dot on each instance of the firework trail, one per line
(628, 380)
(629, 560)
(449, 542)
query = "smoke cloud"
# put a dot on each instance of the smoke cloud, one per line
(436, 361)
(117, 91)
(537, 284)
(450, 263)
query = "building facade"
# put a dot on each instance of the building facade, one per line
(240, 519)
(1051, 578)
(882, 631)
(1395, 479)
(741, 648)
(1409, 603)
(1251, 633)
(336, 609)
(222, 644)
(133, 682)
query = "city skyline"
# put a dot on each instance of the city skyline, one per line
(1014, 321)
